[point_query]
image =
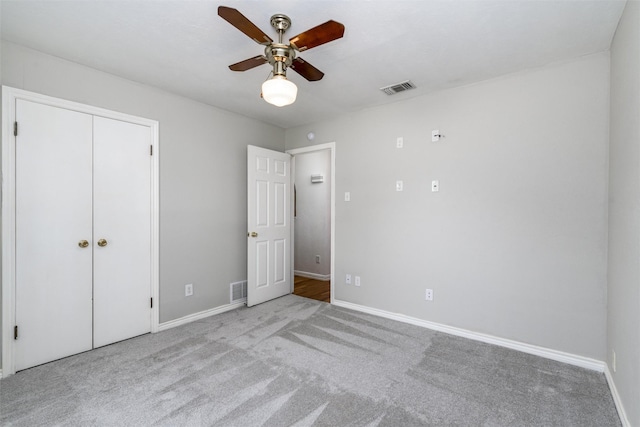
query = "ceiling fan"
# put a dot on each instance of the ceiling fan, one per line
(278, 90)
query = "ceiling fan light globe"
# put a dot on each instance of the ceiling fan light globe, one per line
(279, 91)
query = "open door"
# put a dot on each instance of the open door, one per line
(269, 225)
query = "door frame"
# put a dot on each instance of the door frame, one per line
(331, 146)
(9, 97)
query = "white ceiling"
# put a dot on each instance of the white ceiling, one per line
(185, 47)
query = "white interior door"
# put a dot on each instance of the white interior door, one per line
(269, 223)
(53, 215)
(122, 230)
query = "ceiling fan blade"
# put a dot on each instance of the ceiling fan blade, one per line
(306, 70)
(248, 64)
(316, 36)
(241, 22)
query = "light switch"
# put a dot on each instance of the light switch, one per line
(435, 135)
(435, 186)
(347, 196)
(399, 185)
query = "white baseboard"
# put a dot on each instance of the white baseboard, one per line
(616, 397)
(560, 356)
(197, 316)
(323, 277)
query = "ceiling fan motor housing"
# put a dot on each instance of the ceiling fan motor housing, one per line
(280, 56)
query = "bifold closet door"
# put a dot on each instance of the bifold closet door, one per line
(53, 222)
(122, 230)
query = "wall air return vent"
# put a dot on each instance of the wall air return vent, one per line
(238, 291)
(399, 87)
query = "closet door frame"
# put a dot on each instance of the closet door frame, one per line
(9, 97)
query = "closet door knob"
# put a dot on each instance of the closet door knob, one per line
(102, 242)
(83, 243)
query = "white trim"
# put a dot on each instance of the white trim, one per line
(560, 356)
(323, 277)
(8, 229)
(616, 398)
(155, 226)
(9, 97)
(200, 315)
(332, 147)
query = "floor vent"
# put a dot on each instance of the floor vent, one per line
(238, 291)
(400, 87)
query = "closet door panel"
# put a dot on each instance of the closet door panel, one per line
(53, 215)
(122, 218)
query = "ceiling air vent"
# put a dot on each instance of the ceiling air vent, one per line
(400, 87)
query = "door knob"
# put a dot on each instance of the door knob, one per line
(83, 243)
(252, 234)
(102, 242)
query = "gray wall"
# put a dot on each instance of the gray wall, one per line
(624, 212)
(202, 172)
(313, 219)
(514, 244)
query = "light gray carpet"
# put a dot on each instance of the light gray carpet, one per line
(298, 362)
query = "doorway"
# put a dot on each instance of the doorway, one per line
(319, 290)
(313, 224)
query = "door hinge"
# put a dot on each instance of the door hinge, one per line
(15, 128)
(151, 302)
(15, 332)
(151, 150)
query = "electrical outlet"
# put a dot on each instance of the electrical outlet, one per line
(399, 142)
(347, 279)
(317, 259)
(357, 280)
(188, 290)
(428, 295)
(399, 185)
(435, 135)
(347, 196)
